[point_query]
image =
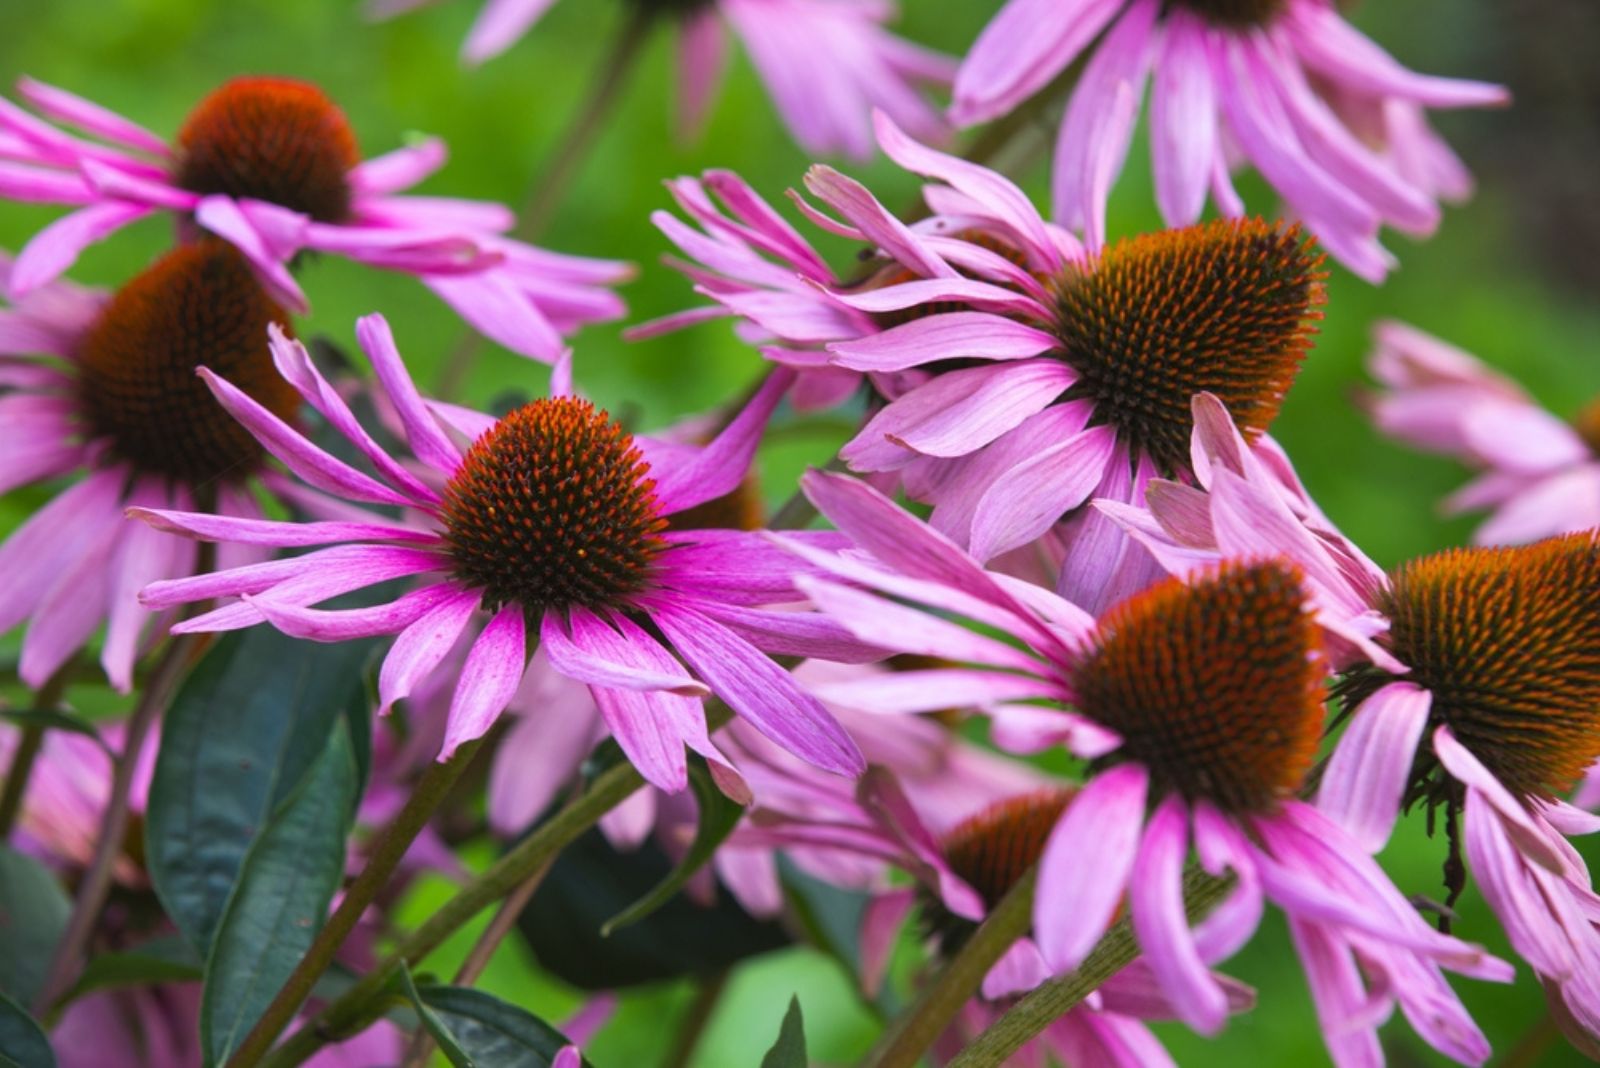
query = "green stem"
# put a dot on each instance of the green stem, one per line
(28, 746)
(1050, 1001)
(707, 993)
(361, 1004)
(387, 851)
(917, 1029)
(797, 512)
(95, 886)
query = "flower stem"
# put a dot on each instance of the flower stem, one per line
(797, 512)
(911, 1035)
(559, 169)
(27, 752)
(707, 993)
(482, 952)
(95, 886)
(1049, 1001)
(429, 792)
(362, 1003)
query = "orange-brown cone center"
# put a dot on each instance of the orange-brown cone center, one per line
(1234, 14)
(1507, 640)
(1227, 307)
(272, 139)
(198, 306)
(553, 507)
(1215, 686)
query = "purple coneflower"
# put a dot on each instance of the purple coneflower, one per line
(1050, 374)
(553, 521)
(1540, 475)
(103, 388)
(826, 63)
(1326, 116)
(1202, 707)
(271, 165)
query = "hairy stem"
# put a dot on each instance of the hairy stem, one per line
(1053, 999)
(95, 886)
(385, 857)
(916, 1029)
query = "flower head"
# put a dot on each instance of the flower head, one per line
(1053, 373)
(103, 387)
(827, 63)
(550, 525)
(1332, 122)
(1538, 474)
(1200, 705)
(272, 166)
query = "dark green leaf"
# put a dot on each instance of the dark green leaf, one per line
(436, 1027)
(281, 899)
(488, 1032)
(61, 721)
(591, 881)
(830, 915)
(160, 960)
(718, 817)
(238, 739)
(790, 1049)
(33, 913)
(22, 1042)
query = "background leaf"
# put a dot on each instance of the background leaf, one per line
(33, 912)
(239, 737)
(591, 881)
(489, 1032)
(281, 899)
(718, 817)
(160, 960)
(790, 1049)
(22, 1041)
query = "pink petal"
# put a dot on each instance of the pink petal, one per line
(489, 679)
(757, 689)
(427, 441)
(1367, 775)
(422, 646)
(207, 527)
(1086, 864)
(1183, 121)
(1162, 925)
(586, 648)
(949, 335)
(499, 26)
(56, 247)
(1032, 497)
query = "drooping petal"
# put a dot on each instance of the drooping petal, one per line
(1086, 863)
(1162, 925)
(1367, 775)
(422, 646)
(489, 679)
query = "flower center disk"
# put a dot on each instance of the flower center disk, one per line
(198, 306)
(1226, 307)
(1507, 641)
(1238, 14)
(990, 850)
(553, 507)
(272, 139)
(1215, 686)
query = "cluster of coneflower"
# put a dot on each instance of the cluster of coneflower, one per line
(1062, 526)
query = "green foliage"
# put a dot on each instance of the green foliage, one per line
(160, 960)
(242, 733)
(281, 898)
(790, 1049)
(22, 1043)
(478, 1030)
(33, 913)
(718, 817)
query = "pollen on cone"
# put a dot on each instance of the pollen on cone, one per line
(1214, 685)
(553, 507)
(1507, 642)
(1227, 307)
(200, 305)
(273, 139)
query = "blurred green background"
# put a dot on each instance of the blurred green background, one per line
(1511, 277)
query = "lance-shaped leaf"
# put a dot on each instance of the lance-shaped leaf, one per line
(477, 1030)
(238, 739)
(161, 960)
(33, 913)
(790, 1049)
(22, 1042)
(281, 899)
